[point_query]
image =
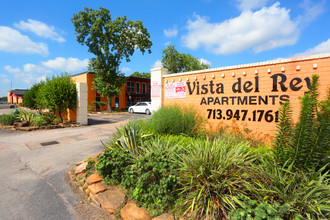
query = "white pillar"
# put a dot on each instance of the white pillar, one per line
(82, 103)
(157, 86)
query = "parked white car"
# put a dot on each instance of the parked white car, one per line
(141, 107)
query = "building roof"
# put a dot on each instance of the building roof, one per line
(18, 91)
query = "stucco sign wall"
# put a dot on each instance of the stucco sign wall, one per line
(250, 94)
(175, 90)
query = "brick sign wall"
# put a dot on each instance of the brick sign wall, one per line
(251, 94)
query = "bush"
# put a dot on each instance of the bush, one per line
(307, 193)
(111, 165)
(40, 120)
(213, 175)
(176, 120)
(90, 108)
(30, 97)
(152, 181)
(252, 209)
(8, 119)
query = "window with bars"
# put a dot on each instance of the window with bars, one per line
(137, 88)
(130, 87)
(143, 88)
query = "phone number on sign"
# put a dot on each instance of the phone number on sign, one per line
(243, 115)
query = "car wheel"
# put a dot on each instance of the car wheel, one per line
(148, 112)
(131, 111)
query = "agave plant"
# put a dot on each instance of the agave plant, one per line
(26, 117)
(129, 140)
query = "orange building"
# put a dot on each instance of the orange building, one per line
(135, 90)
(15, 96)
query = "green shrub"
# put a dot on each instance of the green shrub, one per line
(307, 146)
(8, 119)
(90, 108)
(151, 180)
(25, 116)
(30, 97)
(142, 127)
(252, 209)
(176, 120)
(111, 165)
(307, 193)
(40, 120)
(213, 175)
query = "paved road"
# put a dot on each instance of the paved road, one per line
(32, 177)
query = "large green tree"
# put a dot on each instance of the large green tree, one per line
(177, 62)
(30, 99)
(58, 94)
(143, 75)
(110, 41)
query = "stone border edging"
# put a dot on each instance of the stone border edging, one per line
(113, 199)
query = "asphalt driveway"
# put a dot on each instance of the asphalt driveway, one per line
(33, 177)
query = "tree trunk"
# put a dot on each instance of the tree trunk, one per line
(109, 104)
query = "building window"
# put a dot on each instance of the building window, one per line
(137, 100)
(117, 101)
(149, 89)
(137, 88)
(130, 87)
(143, 88)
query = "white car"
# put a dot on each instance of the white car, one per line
(141, 107)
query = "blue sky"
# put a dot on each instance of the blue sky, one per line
(37, 38)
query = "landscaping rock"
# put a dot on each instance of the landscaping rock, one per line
(97, 187)
(94, 178)
(81, 168)
(81, 175)
(132, 212)
(18, 124)
(111, 200)
(164, 216)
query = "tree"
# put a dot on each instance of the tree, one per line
(58, 94)
(177, 62)
(141, 75)
(110, 41)
(30, 97)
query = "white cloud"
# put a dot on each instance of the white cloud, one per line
(323, 47)
(157, 64)
(31, 73)
(244, 5)
(40, 29)
(32, 68)
(41, 78)
(3, 75)
(202, 60)
(268, 28)
(171, 32)
(12, 70)
(167, 43)
(312, 10)
(125, 69)
(13, 41)
(68, 65)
